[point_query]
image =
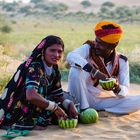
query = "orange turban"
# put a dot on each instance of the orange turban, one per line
(108, 31)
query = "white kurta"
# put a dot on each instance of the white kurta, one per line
(81, 86)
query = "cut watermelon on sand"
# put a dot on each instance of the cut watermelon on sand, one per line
(69, 123)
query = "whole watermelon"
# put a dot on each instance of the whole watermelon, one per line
(88, 116)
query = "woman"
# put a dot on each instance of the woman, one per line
(33, 94)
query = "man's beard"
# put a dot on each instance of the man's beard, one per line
(97, 52)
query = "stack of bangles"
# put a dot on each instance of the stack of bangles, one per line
(52, 106)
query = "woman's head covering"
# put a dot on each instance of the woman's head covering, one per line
(51, 40)
(109, 32)
(44, 44)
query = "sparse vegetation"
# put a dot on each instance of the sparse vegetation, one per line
(86, 3)
(6, 29)
(108, 10)
(25, 10)
(135, 72)
(18, 36)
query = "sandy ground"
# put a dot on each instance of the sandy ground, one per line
(109, 127)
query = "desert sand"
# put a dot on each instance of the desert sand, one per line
(109, 127)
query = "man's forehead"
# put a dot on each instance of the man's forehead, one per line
(105, 44)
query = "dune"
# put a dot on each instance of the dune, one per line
(109, 126)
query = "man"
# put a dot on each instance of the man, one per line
(32, 96)
(96, 60)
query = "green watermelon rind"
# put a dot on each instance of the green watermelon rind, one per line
(75, 123)
(107, 84)
(69, 123)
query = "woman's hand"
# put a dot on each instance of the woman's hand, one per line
(59, 112)
(72, 111)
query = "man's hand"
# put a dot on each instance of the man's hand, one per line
(116, 88)
(95, 74)
(59, 112)
(98, 75)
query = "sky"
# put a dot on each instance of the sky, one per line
(24, 1)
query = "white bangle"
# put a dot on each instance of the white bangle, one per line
(66, 103)
(52, 106)
(96, 72)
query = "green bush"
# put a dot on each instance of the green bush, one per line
(36, 1)
(108, 4)
(25, 10)
(6, 29)
(10, 7)
(64, 74)
(56, 7)
(135, 72)
(86, 3)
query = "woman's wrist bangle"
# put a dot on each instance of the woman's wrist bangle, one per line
(52, 106)
(55, 108)
(66, 103)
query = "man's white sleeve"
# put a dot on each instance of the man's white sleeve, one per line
(79, 56)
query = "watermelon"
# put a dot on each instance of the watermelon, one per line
(109, 83)
(68, 123)
(88, 116)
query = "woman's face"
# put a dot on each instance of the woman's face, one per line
(104, 49)
(53, 54)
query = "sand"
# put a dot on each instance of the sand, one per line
(109, 127)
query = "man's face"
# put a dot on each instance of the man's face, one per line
(103, 49)
(53, 54)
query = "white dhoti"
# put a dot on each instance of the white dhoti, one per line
(81, 87)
